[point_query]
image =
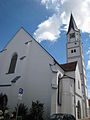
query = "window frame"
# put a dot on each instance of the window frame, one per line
(13, 62)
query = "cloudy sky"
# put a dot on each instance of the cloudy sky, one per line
(47, 21)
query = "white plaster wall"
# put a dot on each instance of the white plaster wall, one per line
(77, 53)
(70, 74)
(54, 96)
(78, 90)
(68, 36)
(80, 100)
(76, 59)
(55, 108)
(34, 69)
(78, 78)
(73, 44)
(67, 104)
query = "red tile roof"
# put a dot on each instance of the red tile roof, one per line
(69, 66)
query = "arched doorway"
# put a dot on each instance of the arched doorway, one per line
(78, 110)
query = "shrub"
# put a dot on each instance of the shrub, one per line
(3, 101)
(22, 110)
(36, 111)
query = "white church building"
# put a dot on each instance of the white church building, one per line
(24, 63)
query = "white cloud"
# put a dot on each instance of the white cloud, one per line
(48, 30)
(61, 13)
(88, 65)
(51, 4)
(88, 52)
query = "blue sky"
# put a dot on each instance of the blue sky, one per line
(47, 21)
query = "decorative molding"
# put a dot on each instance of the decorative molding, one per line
(6, 85)
(78, 95)
(73, 47)
(28, 42)
(15, 79)
(3, 50)
(22, 57)
(73, 57)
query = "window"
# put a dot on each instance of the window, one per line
(13, 64)
(71, 51)
(72, 35)
(78, 84)
(74, 50)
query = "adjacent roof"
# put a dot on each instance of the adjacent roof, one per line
(69, 66)
(72, 24)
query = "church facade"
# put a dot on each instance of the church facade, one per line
(25, 64)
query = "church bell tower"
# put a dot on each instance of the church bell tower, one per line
(75, 53)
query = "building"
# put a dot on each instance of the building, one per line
(75, 53)
(25, 64)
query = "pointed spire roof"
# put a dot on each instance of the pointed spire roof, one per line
(72, 24)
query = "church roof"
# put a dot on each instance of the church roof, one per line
(69, 66)
(72, 24)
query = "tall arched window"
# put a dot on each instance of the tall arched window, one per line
(78, 110)
(13, 64)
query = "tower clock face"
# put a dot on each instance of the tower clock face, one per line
(72, 35)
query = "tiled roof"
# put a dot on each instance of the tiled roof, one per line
(69, 66)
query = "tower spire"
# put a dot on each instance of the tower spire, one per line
(72, 24)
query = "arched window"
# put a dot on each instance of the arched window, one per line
(78, 110)
(78, 84)
(13, 64)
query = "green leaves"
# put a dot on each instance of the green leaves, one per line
(3, 101)
(36, 111)
(21, 110)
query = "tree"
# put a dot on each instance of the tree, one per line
(36, 111)
(21, 110)
(3, 101)
(3, 106)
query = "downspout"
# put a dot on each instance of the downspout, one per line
(74, 100)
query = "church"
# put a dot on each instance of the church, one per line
(62, 88)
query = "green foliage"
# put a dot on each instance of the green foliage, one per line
(36, 111)
(3, 106)
(22, 110)
(19, 118)
(3, 101)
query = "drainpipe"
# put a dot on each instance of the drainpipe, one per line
(74, 100)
